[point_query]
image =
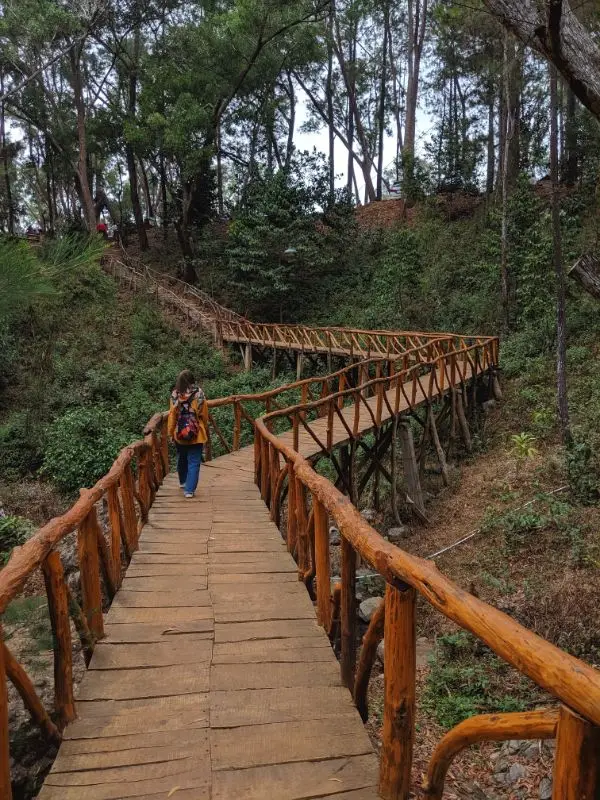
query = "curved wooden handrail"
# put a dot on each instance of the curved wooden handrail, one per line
(540, 724)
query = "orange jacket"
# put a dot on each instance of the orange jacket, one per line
(199, 405)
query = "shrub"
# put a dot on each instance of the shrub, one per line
(21, 444)
(82, 444)
(583, 472)
(14, 531)
(467, 679)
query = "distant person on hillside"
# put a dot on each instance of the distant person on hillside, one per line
(188, 427)
(102, 229)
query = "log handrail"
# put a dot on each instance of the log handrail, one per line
(571, 681)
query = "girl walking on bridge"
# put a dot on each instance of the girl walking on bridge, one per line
(188, 425)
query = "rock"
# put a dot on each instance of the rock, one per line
(515, 745)
(545, 789)
(335, 536)
(488, 405)
(368, 607)
(74, 583)
(369, 514)
(424, 650)
(398, 533)
(515, 773)
(501, 765)
(532, 751)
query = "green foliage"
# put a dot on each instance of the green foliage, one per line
(14, 531)
(466, 679)
(583, 472)
(81, 446)
(523, 446)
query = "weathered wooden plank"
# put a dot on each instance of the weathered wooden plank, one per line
(158, 616)
(279, 743)
(268, 629)
(121, 684)
(273, 675)
(286, 704)
(174, 599)
(294, 650)
(299, 781)
(155, 654)
(140, 778)
(121, 633)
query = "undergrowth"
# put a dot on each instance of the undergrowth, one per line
(465, 678)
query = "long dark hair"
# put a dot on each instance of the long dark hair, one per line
(185, 381)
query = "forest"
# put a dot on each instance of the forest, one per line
(404, 165)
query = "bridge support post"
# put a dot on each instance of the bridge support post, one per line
(577, 761)
(299, 365)
(399, 693)
(411, 469)
(5, 786)
(248, 358)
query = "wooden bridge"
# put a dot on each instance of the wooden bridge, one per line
(212, 673)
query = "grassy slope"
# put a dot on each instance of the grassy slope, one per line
(83, 372)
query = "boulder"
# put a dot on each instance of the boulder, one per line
(368, 607)
(369, 514)
(546, 789)
(397, 534)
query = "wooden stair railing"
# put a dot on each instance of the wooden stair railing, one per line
(575, 684)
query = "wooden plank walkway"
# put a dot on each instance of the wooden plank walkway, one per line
(214, 680)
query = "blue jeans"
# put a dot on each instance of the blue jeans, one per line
(189, 458)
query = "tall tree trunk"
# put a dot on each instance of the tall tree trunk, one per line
(329, 98)
(351, 177)
(382, 93)
(417, 21)
(289, 149)
(220, 203)
(571, 144)
(146, 187)
(491, 150)
(513, 109)
(10, 209)
(561, 324)
(163, 195)
(83, 182)
(129, 154)
(349, 75)
(508, 133)
(396, 89)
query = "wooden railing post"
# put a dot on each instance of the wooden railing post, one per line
(58, 608)
(348, 615)
(89, 565)
(237, 424)
(164, 448)
(129, 515)
(291, 514)
(399, 693)
(330, 412)
(264, 470)
(323, 566)
(114, 518)
(577, 759)
(5, 785)
(303, 554)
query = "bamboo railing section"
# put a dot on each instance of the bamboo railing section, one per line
(575, 684)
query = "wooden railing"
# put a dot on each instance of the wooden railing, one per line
(224, 325)
(312, 500)
(103, 552)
